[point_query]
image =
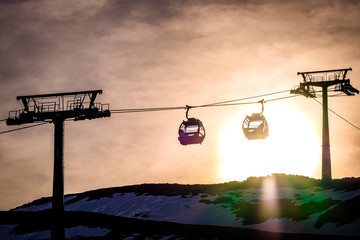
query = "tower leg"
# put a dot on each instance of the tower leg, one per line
(326, 161)
(58, 231)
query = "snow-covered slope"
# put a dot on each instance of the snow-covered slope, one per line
(277, 203)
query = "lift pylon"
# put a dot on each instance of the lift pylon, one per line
(325, 80)
(56, 108)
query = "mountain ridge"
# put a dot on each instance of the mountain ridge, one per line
(277, 203)
(173, 189)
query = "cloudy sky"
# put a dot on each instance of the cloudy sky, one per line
(164, 53)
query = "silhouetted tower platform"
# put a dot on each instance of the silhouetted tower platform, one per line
(325, 79)
(56, 108)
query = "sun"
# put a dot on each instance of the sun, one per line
(293, 146)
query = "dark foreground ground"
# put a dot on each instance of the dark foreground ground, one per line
(121, 228)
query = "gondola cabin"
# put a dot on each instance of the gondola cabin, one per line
(191, 131)
(255, 127)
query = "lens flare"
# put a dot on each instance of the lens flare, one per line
(270, 207)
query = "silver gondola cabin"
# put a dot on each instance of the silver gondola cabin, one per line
(256, 126)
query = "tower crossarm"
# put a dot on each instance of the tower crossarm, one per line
(59, 94)
(325, 79)
(324, 83)
(325, 75)
(47, 107)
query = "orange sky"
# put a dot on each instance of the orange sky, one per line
(173, 53)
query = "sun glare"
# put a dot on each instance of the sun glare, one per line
(293, 147)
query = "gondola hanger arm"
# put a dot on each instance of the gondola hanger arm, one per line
(187, 111)
(262, 105)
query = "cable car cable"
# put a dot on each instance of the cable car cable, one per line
(241, 99)
(134, 110)
(339, 116)
(131, 110)
(13, 130)
(223, 103)
(281, 98)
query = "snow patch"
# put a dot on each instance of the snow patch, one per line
(204, 210)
